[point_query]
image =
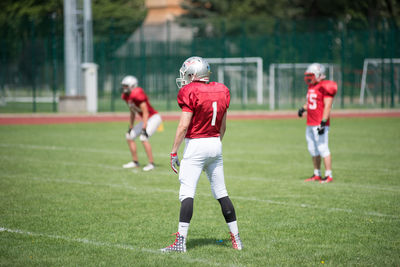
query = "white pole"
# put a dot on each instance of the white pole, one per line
(363, 81)
(221, 74)
(331, 72)
(90, 85)
(87, 31)
(71, 48)
(272, 86)
(259, 81)
(245, 96)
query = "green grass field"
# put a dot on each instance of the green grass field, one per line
(66, 201)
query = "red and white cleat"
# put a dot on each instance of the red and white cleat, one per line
(236, 242)
(327, 179)
(178, 246)
(313, 178)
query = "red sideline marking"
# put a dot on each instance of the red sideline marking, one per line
(11, 119)
(366, 115)
(58, 120)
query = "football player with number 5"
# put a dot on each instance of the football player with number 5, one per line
(320, 96)
(202, 125)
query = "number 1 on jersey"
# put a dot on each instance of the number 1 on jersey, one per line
(214, 117)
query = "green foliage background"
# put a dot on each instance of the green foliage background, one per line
(366, 12)
(123, 15)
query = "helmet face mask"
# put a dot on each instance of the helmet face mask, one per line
(309, 78)
(181, 81)
(314, 74)
(128, 82)
(193, 69)
(125, 89)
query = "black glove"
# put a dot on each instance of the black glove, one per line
(144, 133)
(321, 127)
(301, 111)
(129, 130)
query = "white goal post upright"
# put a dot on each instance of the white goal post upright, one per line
(278, 66)
(232, 64)
(375, 62)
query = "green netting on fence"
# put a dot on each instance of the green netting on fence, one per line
(32, 62)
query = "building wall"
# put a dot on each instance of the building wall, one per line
(160, 11)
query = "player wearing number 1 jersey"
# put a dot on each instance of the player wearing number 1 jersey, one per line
(202, 125)
(320, 96)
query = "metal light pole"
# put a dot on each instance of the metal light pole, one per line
(80, 79)
(87, 31)
(71, 48)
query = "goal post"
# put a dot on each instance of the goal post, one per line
(240, 69)
(284, 80)
(377, 73)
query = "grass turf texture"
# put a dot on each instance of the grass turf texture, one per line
(65, 200)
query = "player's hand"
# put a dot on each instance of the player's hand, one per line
(321, 127)
(174, 162)
(144, 133)
(301, 111)
(129, 130)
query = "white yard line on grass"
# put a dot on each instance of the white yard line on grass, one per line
(114, 167)
(73, 149)
(154, 189)
(369, 213)
(112, 152)
(110, 245)
(166, 173)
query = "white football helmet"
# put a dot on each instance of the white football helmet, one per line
(314, 73)
(193, 69)
(129, 82)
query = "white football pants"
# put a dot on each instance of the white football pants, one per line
(152, 124)
(202, 154)
(317, 144)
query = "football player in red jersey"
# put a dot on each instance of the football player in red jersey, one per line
(138, 103)
(320, 96)
(202, 125)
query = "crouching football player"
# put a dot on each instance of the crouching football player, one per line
(138, 102)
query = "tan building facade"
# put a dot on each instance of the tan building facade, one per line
(160, 11)
(159, 24)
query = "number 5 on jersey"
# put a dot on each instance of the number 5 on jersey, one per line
(312, 101)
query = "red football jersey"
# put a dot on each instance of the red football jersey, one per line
(135, 98)
(315, 100)
(208, 103)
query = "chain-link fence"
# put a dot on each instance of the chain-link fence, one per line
(364, 62)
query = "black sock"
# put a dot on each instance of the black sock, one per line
(227, 209)
(186, 210)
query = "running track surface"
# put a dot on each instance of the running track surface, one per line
(26, 119)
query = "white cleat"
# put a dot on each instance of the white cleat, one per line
(236, 242)
(130, 165)
(148, 167)
(178, 246)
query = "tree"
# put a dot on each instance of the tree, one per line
(123, 15)
(364, 13)
(32, 30)
(368, 12)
